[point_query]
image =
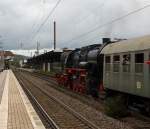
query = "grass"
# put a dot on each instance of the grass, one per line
(51, 73)
(115, 107)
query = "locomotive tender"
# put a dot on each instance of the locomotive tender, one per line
(121, 67)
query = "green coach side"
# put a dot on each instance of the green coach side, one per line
(125, 69)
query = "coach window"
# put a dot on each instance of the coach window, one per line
(126, 63)
(116, 63)
(107, 63)
(139, 60)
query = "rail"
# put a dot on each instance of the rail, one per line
(52, 124)
(70, 110)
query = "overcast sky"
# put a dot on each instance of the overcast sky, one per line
(20, 19)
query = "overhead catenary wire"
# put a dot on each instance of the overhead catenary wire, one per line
(110, 22)
(41, 17)
(87, 16)
(37, 18)
(51, 12)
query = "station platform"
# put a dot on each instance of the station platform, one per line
(16, 111)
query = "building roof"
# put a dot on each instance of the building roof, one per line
(7, 53)
(46, 57)
(136, 44)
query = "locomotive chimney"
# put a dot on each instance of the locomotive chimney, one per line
(106, 40)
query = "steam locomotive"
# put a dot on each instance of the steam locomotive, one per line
(120, 67)
(83, 68)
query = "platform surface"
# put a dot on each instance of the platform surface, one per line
(2, 80)
(16, 111)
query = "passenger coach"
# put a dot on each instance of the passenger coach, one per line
(126, 69)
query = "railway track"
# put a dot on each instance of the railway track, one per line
(64, 116)
(136, 120)
(98, 104)
(47, 121)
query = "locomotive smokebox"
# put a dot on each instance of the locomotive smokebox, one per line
(106, 40)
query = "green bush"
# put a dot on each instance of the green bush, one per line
(47, 73)
(116, 107)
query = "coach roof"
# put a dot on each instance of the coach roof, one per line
(136, 44)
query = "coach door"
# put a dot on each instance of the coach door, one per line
(139, 74)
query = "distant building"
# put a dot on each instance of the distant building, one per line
(66, 49)
(8, 55)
